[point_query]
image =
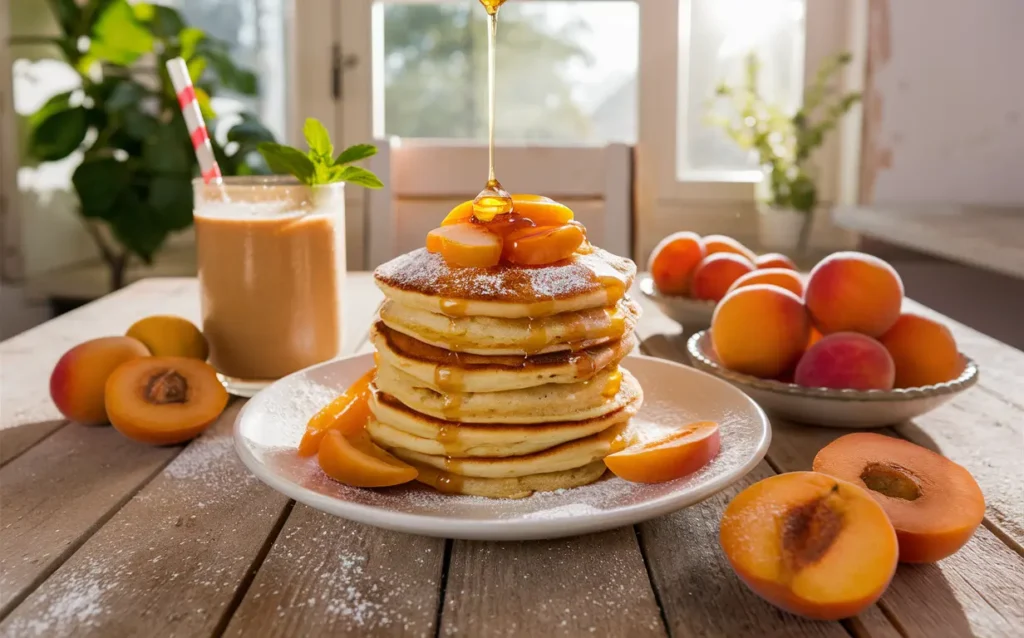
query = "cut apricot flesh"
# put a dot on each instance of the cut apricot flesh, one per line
(357, 461)
(934, 504)
(668, 458)
(542, 245)
(461, 214)
(164, 400)
(348, 414)
(542, 211)
(810, 544)
(466, 245)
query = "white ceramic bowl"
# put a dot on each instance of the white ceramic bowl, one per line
(692, 314)
(828, 407)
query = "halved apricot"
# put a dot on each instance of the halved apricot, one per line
(543, 211)
(348, 414)
(466, 245)
(810, 544)
(164, 400)
(543, 245)
(357, 461)
(934, 504)
(670, 457)
(460, 214)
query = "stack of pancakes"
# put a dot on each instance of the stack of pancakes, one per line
(504, 381)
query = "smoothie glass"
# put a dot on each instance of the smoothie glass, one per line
(271, 257)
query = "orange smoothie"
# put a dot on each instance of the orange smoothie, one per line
(271, 259)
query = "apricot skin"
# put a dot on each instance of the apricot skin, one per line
(725, 244)
(781, 277)
(854, 292)
(760, 330)
(774, 260)
(826, 563)
(673, 261)
(846, 360)
(923, 350)
(79, 378)
(170, 336)
(716, 273)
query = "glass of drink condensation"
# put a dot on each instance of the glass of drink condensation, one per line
(271, 257)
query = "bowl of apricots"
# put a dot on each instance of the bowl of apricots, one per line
(836, 351)
(153, 384)
(690, 274)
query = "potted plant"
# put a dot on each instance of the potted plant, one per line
(134, 181)
(783, 144)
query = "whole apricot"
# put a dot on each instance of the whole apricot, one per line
(846, 360)
(810, 544)
(923, 351)
(673, 261)
(934, 504)
(716, 273)
(170, 336)
(854, 292)
(760, 330)
(774, 260)
(164, 400)
(724, 244)
(781, 277)
(78, 379)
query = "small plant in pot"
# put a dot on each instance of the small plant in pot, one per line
(783, 144)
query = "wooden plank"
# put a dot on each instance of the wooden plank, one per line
(57, 493)
(699, 592)
(974, 592)
(589, 585)
(326, 576)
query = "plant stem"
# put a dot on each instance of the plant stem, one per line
(805, 233)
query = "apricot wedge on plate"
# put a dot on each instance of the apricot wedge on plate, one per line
(348, 413)
(670, 457)
(357, 461)
(164, 400)
(810, 544)
(466, 245)
(934, 504)
(542, 245)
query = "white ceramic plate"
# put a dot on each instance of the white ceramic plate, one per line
(692, 314)
(828, 407)
(270, 425)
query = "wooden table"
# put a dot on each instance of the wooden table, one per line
(102, 536)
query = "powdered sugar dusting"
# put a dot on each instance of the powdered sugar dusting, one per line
(75, 604)
(428, 273)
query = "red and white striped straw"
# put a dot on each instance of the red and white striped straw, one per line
(208, 167)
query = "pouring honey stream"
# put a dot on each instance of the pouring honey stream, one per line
(493, 200)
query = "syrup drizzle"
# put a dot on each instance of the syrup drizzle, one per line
(493, 200)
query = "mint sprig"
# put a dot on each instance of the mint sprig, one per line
(319, 166)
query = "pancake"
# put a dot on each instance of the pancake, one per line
(500, 336)
(515, 487)
(562, 457)
(440, 369)
(541, 404)
(422, 280)
(395, 425)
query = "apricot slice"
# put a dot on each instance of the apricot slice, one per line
(934, 504)
(78, 379)
(164, 400)
(357, 461)
(670, 457)
(461, 214)
(542, 211)
(673, 261)
(170, 336)
(810, 544)
(543, 245)
(466, 245)
(348, 414)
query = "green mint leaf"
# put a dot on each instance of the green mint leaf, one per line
(319, 140)
(355, 175)
(355, 153)
(285, 160)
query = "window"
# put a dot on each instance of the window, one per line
(566, 71)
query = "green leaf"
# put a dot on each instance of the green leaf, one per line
(99, 182)
(218, 54)
(58, 135)
(68, 15)
(355, 153)
(196, 66)
(126, 95)
(143, 11)
(319, 140)
(168, 150)
(118, 37)
(139, 229)
(285, 160)
(205, 106)
(138, 125)
(189, 39)
(167, 22)
(59, 102)
(356, 175)
(171, 198)
(249, 131)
